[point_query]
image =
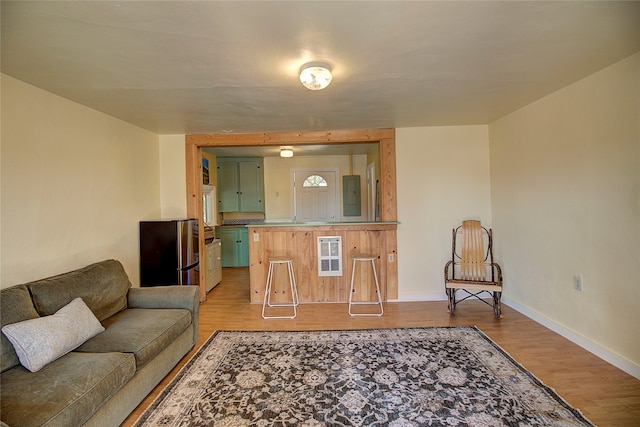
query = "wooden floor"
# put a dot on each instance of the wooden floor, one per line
(604, 394)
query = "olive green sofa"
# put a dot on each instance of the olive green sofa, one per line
(146, 333)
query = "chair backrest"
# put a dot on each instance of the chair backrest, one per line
(472, 251)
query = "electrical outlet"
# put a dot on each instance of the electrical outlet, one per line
(391, 258)
(577, 282)
(256, 237)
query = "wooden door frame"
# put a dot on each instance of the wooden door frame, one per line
(386, 139)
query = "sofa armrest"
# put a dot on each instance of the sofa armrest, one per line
(186, 297)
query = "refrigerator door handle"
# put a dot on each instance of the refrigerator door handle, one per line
(180, 249)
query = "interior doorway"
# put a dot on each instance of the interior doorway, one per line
(371, 192)
(315, 195)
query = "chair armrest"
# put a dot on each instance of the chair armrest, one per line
(446, 270)
(499, 271)
(185, 297)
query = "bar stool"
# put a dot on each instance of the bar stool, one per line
(364, 258)
(292, 285)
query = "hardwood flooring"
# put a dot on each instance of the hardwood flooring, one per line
(605, 394)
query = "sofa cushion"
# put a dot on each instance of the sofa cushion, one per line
(66, 392)
(103, 286)
(145, 332)
(15, 306)
(44, 339)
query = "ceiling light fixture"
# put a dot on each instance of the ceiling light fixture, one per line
(286, 152)
(315, 75)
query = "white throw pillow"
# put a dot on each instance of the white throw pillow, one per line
(44, 339)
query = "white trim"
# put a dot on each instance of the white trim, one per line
(371, 192)
(605, 354)
(329, 242)
(441, 296)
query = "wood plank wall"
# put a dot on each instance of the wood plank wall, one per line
(300, 243)
(384, 137)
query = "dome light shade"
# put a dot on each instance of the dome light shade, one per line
(286, 152)
(315, 76)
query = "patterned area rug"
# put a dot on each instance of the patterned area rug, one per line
(449, 376)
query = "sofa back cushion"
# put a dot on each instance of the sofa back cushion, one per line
(15, 306)
(103, 286)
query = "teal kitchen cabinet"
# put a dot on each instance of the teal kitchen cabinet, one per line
(235, 246)
(240, 184)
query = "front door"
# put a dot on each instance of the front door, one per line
(315, 194)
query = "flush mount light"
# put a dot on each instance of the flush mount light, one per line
(315, 76)
(286, 152)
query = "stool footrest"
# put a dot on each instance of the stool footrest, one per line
(284, 304)
(292, 286)
(365, 258)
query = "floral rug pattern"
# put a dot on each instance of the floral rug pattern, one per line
(445, 376)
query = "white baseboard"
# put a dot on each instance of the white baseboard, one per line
(605, 354)
(441, 296)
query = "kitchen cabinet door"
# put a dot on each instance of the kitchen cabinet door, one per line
(240, 184)
(243, 248)
(228, 200)
(235, 246)
(213, 272)
(251, 186)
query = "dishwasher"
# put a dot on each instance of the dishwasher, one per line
(213, 272)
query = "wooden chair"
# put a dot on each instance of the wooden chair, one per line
(471, 261)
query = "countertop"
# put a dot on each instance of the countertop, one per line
(320, 224)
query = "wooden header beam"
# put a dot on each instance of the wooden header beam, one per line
(291, 138)
(386, 138)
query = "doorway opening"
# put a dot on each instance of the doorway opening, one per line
(315, 195)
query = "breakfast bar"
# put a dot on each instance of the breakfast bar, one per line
(315, 283)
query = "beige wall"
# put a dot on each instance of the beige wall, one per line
(277, 179)
(565, 183)
(173, 177)
(442, 178)
(561, 191)
(75, 183)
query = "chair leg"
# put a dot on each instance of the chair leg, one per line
(351, 290)
(293, 289)
(296, 299)
(497, 306)
(267, 290)
(375, 276)
(451, 293)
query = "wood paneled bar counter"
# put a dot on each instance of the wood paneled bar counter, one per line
(300, 241)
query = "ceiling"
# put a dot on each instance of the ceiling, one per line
(177, 67)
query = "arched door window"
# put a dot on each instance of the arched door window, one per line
(314, 181)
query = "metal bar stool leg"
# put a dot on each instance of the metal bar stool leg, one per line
(365, 258)
(269, 288)
(375, 276)
(353, 273)
(292, 277)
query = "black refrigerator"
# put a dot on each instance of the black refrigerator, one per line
(169, 252)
